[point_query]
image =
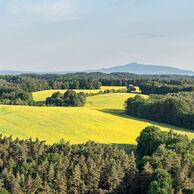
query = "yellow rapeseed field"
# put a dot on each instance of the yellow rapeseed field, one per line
(42, 95)
(101, 120)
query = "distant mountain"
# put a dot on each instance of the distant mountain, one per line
(134, 68)
(144, 69)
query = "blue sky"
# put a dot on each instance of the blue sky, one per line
(62, 35)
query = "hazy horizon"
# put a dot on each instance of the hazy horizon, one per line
(88, 69)
(75, 35)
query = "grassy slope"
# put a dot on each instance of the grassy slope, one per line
(101, 120)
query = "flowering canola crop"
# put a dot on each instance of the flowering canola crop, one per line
(102, 120)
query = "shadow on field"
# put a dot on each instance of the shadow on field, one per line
(115, 112)
(121, 113)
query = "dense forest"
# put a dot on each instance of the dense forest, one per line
(161, 87)
(36, 82)
(175, 109)
(32, 85)
(162, 163)
(109, 76)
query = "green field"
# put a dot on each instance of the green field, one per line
(101, 120)
(42, 95)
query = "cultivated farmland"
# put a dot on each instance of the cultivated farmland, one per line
(101, 120)
(42, 95)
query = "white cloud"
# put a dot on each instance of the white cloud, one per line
(44, 10)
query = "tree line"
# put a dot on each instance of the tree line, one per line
(162, 108)
(36, 82)
(158, 87)
(109, 76)
(162, 163)
(142, 81)
(32, 85)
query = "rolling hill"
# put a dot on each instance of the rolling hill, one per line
(102, 120)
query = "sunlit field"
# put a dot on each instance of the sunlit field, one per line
(42, 95)
(137, 90)
(102, 120)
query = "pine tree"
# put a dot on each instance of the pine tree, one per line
(37, 183)
(50, 175)
(6, 176)
(60, 184)
(41, 148)
(131, 174)
(112, 178)
(92, 176)
(15, 186)
(182, 177)
(84, 170)
(29, 185)
(75, 182)
(22, 180)
(144, 178)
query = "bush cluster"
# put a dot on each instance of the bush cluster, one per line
(69, 98)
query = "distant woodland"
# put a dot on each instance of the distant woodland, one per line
(110, 76)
